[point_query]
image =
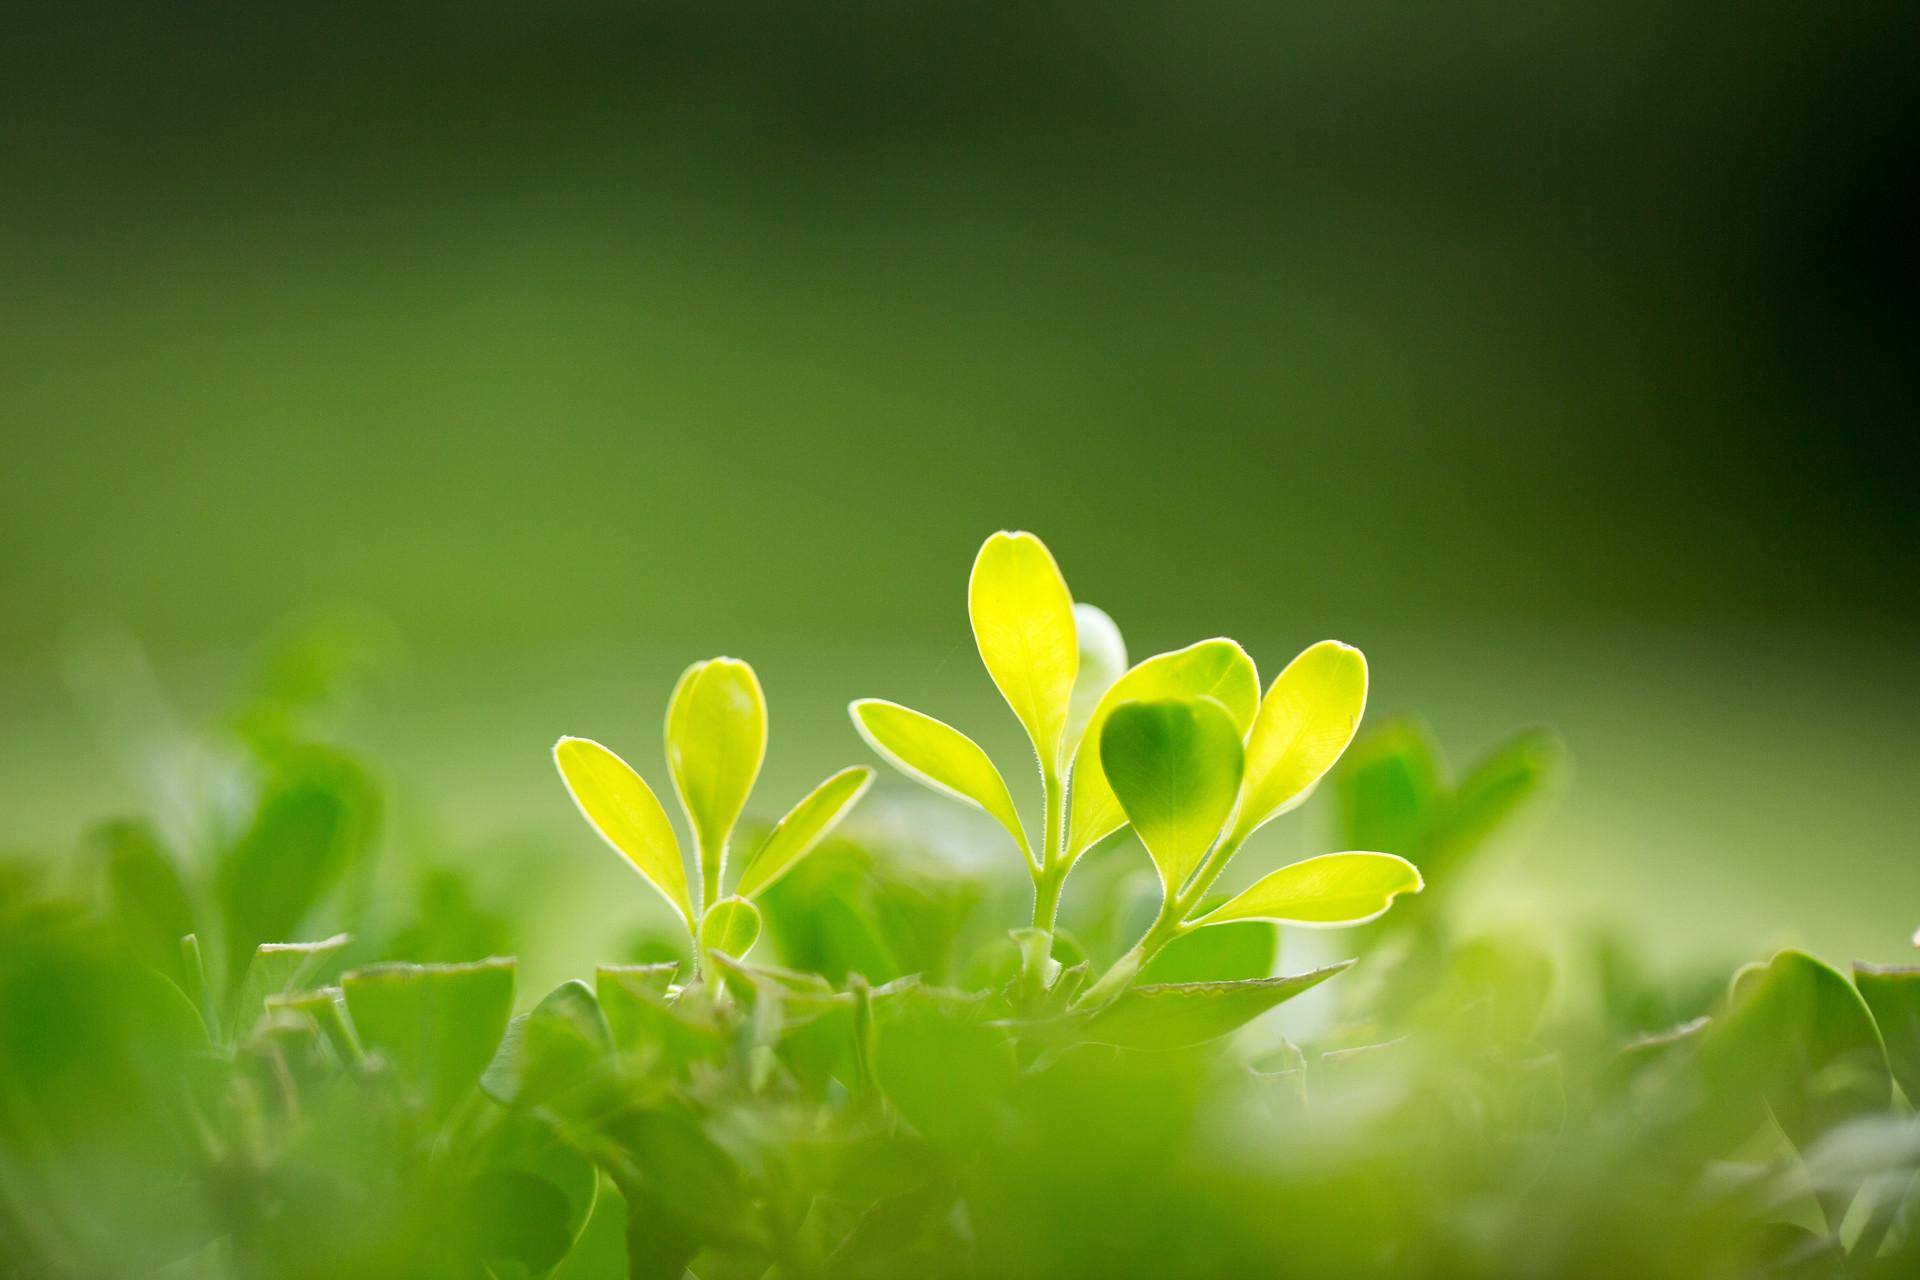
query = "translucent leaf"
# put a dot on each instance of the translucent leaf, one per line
(1103, 660)
(1175, 766)
(1391, 790)
(619, 805)
(1023, 623)
(1330, 890)
(439, 1024)
(1244, 949)
(1175, 1015)
(805, 826)
(940, 756)
(1217, 669)
(732, 925)
(716, 740)
(1306, 720)
(1893, 995)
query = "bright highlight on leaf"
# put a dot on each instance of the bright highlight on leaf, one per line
(623, 809)
(1306, 720)
(716, 740)
(940, 756)
(1217, 669)
(1175, 766)
(732, 926)
(805, 826)
(1023, 622)
(1332, 889)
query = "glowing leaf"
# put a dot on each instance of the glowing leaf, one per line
(1306, 720)
(1217, 669)
(1332, 889)
(940, 756)
(623, 809)
(805, 826)
(1023, 622)
(1103, 659)
(716, 739)
(732, 926)
(1175, 765)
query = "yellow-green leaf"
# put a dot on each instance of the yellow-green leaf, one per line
(805, 826)
(716, 739)
(1306, 720)
(1175, 765)
(940, 756)
(1103, 660)
(619, 805)
(1217, 669)
(732, 926)
(1023, 622)
(1330, 890)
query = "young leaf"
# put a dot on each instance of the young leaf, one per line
(1103, 660)
(1217, 669)
(1391, 790)
(438, 1023)
(1175, 766)
(732, 925)
(1175, 1015)
(805, 826)
(1893, 994)
(1023, 622)
(1330, 890)
(716, 740)
(1306, 720)
(619, 805)
(940, 756)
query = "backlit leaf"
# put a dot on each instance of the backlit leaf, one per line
(805, 826)
(940, 756)
(1023, 622)
(716, 740)
(1217, 669)
(1332, 889)
(1305, 721)
(1175, 766)
(619, 805)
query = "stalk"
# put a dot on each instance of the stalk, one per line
(1168, 925)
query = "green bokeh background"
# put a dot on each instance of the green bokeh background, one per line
(1552, 354)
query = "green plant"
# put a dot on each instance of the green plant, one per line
(1182, 746)
(716, 738)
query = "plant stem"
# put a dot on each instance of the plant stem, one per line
(1051, 877)
(1168, 925)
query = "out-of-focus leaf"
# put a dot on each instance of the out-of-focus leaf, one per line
(716, 740)
(1892, 994)
(277, 968)
(731, 925)
(1103, 660)
(1306, 720)
(943, 1066)
(621, 807)
(551, 1046)
(1177, 1015)
(512, 1216)
(1330, 890)
(314, 818)
(1797, 1034)
(690, 1176)
(1175, 766)
(438, 1024)
(1023, 623)
(1390, 789)
(1496, 789)
(145, 891)
(646, 1018)
(805, 826)
(938, 755)
(327, 1007)
(1218, 669)
(1228, 953)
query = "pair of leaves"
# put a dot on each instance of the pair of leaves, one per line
(716, 732)
(1185, 779)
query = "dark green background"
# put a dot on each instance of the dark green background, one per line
(1554, 354)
